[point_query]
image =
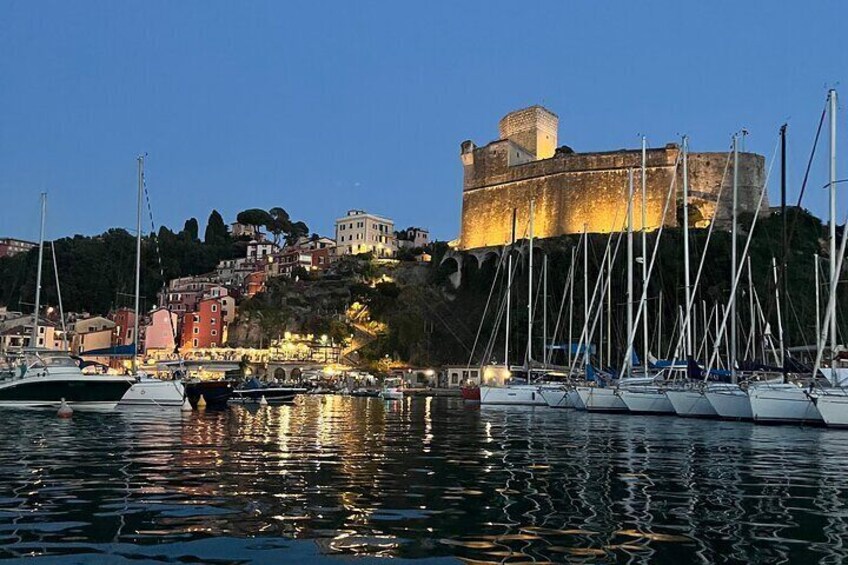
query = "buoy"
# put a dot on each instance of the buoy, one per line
(186, 406)
(65, 411)
(201, 403)
(262, 401)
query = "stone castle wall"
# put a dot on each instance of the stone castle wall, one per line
(573, 190)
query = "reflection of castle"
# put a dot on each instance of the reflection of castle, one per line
(576, 189)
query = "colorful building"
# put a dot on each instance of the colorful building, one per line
(204, 328)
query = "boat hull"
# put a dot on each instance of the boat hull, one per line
(80, 393)
(833, 407)
(519, 395)
(271, 395)
(154, 392)
(216, 394)
(391, 394)
(691, 404)
(557, 398)
(783, 404)
(730, 402)
(470, 393)
(648, 401)
(597, 399)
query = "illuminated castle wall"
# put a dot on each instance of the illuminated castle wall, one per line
(571, 190)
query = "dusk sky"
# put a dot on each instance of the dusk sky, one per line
(322, 107)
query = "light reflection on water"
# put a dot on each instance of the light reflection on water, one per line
(421, 478)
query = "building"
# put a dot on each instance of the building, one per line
(238, 231)
(205, 327)
(232, 272)
(254, 283)
(258, 251)
(93, 334)
(10, 246)
(159, 330)
(361, 232)
(228, 302)
(412, 238)
(16, 333)
(183, 294)
(572, 191)
(124, 319)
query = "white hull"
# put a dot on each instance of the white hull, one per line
(782, 403)
(95, 406)
(574, 400)
(833, 407)
(597, 399)
(154, 392)
(691, 404)
(557, 398)
(391, 394)
(648, 400)
(516, 395)
(729, 401)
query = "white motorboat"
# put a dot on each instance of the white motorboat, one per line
(729, 401)
(392, 389)
(832, 404)
(782, 403)
(42, 379)
(689, 401)
(601, 399)
(148, 391)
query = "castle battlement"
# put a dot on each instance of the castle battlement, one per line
(572, 190)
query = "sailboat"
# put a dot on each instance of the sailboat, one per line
(147, 391)
(39, 378)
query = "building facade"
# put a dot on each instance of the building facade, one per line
(203, 328)
(576, 191)
(413, 238)
(360, 232)
(10, 246)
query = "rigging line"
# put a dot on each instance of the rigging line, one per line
(745, 251)
(485, 309)
(568, 282)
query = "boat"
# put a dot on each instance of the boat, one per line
(515, 394)
(216, 394)
(392, 389)
(645, 395)
(149, 391)
(783, 403)
(601, 399)
(832, 404)
(689, 401)
(470, 393)
(44, 379)
(253, 392)
(365, 393)
(730, 401)
(560, 397)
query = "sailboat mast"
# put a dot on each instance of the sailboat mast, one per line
(629, 360)
(686, 329)
(779, 314)
(818, 304)
(59, 297)
(586, 292)
(732, 360)
(571, 305)
(545, 309)
(509, 293)
(644, 307)
(832, 262)
(530, 295)
(34, 340)
(784, 264)
(138, 263)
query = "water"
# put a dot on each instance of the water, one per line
(423, 479)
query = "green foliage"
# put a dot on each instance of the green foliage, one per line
(216, 230)
(191, 229)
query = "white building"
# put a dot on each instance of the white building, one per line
(413, 238)
(361, 232)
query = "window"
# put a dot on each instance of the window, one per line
(213, 321)
(214, 333)
(194, 342)
(195, 330)
(214, 307)
(213, 344)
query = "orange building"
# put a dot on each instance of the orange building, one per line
(205, 327)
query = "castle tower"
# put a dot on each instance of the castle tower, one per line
(533, 128)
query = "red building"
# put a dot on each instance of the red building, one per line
(124, 319)
(205, 327)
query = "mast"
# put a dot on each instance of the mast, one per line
(530, 296)
(34, 340)
(571, 305)
(779, 316)
(832, 262)
(138, 263)
(59, 296)
(732, 360)
(688, 333)
(586, 291)
(629, 360)
(545, 309)
(818, 304)
(752, 329)
(509, 293)
(644, 306)
(785, 262)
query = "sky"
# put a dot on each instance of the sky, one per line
(320, 107)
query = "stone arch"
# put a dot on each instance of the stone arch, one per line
(280, 374)
(296, 374)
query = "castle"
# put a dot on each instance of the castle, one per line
(572, 190)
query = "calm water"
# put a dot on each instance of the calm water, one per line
(422, 479)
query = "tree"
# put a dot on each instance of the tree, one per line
(191, 229)
(280, 223)
(255, 217)
(216, 230)
(298, 229)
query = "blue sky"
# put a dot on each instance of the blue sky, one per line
(321, 107)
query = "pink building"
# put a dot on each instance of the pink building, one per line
(159, 330)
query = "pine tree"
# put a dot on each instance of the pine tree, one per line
(216, 230)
